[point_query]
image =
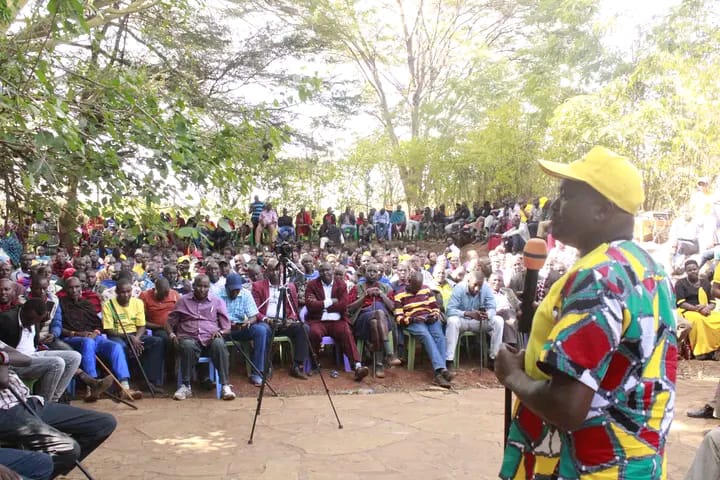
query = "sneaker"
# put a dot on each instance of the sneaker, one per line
(183, 392)
(296, 372)
(448, 375)
(379, 371)
(227, 393)
(360, 373)
(256, 380)
(440, 381)
(706, 411)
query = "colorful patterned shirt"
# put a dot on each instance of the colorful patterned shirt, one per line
(608, 323)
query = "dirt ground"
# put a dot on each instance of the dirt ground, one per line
(400, 427)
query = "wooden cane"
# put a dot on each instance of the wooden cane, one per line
(117, 382)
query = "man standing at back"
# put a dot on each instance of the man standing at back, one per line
(256, 208)
(596, 386)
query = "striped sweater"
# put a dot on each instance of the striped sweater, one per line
(412, 305)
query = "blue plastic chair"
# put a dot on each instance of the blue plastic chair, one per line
(212, 373)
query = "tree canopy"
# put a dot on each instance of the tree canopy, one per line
(137, 106)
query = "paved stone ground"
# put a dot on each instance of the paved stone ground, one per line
(419, 435)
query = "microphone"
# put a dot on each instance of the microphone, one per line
(534, 255)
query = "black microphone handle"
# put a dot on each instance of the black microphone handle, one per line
(528, 297)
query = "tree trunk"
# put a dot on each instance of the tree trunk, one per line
(68, 215)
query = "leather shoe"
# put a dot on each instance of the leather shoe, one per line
(295, 372)
(706, 411)
(360, 373)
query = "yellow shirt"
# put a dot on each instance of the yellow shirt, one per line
(132, 316)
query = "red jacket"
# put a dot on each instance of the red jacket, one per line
(261, 292)
(315, 298)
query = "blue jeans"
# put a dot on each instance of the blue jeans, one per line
(433, 339)
(28, 464)
(110, 352)
(381, 231)
(286, 233)
(152, 357)
(260, 334)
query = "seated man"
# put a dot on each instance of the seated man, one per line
(303, 221)
(28, 465)
(16, 290)
(398, 222)
(159, 302)
(123, 322)
(700, 322)
(66, 433)
(507, 306)
(242, 313)
(413, 223)
(8, 298)
(372, 318)
(330, 233)
(53, 370)
(381, 221)
(266, 295)
(285, 227)
(417, 310)
(326, 299)
(348, 223)
(81, 328)
(472, 308)
(197, 327)
(517, 236)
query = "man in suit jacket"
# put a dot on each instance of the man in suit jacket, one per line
(326, 299)
(266, 294)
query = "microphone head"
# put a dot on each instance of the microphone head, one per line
(534, 254)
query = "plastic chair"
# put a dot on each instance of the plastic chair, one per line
(465, 338)
(281, 341)
(245, 347)
(410, 346)
(212, 371)
(330, 341)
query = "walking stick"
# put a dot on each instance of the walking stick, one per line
(131, 345)
(34, 414)
(117, 382)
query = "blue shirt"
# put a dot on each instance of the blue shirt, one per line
(240, 308)
(397, 217)
(257, 208)
(461, 300)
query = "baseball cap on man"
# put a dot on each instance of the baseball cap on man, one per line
(612, 175)
(233, 282)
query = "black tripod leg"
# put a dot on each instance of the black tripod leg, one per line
(316, 361)
(253, 367)
(261, 394)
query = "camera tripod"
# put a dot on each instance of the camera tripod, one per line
(280, 320)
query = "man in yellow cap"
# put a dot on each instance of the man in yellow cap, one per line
(596, 386)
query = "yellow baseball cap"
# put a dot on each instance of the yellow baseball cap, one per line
(612, 175)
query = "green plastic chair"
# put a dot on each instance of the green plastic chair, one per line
(465, 339)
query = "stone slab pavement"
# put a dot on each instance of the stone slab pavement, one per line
(415, 435)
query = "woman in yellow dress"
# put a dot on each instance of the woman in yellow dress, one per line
(702, 322)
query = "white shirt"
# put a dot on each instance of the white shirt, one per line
(218, 287)
(27, 341)
(273, 302)
(328, 316)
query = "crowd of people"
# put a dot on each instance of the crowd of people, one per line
(138, 317)
(78, 318)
